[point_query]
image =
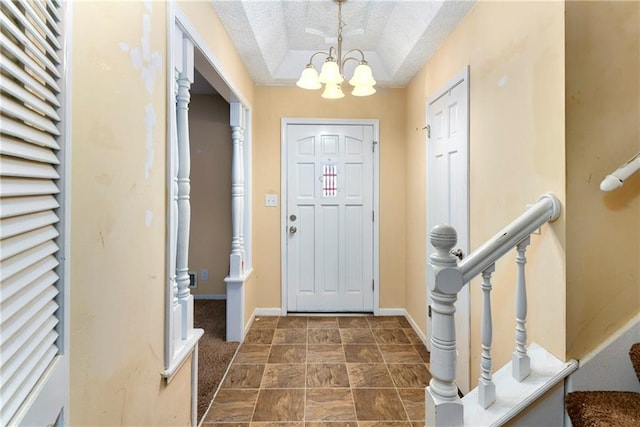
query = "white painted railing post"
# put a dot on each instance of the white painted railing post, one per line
(236, 266)
(443, 406)
(486, 387)
(521, 363)
(185, 79)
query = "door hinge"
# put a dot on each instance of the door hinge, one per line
(373, 216)
(428, 129)
(373, 146)
(373, 285)
(429, 314)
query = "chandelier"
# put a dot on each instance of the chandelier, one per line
(331, 74)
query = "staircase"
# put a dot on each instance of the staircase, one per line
(611, 408)
(529, 390)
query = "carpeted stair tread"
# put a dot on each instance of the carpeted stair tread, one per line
(634, 355)
(603, 408)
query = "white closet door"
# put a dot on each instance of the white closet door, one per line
(33, 374)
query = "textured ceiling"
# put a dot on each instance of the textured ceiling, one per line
(275, 38)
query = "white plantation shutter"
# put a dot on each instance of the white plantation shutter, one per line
(30, 95)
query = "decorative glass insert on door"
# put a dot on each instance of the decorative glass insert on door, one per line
(329, 180)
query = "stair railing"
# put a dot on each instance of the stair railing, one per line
(443, 405)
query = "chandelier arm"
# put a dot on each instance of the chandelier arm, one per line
(319, 53)
(346, 56)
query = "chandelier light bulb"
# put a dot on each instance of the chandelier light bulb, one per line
(309, 79)
(332, 91)
(330, 73)
(362, 76)
(363, 91)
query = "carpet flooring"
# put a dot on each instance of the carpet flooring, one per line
(214, 353)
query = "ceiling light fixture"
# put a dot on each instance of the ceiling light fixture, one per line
(332, 70)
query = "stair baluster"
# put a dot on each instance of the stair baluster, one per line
(486, 387)
(521, 362)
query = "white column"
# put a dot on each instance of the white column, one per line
(486, 387)
(175, 310)
(185, 79)
(521, 364)
(235, 281)
(236, 264)
(442, 404)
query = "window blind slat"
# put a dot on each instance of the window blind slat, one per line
(26, 60)
(31, 371)
(22, 224)
(30, 28)
(10, 146)
(22, 242)
(34, 272)
(26, 169)
(29, 99)
(24, 186)
(41, 5)
(38, 307)
(11, 108)
(41, 25)
(35, 296)
(21, 262)
(30, 46)
(11, 360)
(13, 206)
(29, 81)
(53, 8)
(28, 133)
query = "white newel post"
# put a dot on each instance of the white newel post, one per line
(235, 281)
(443, 406)
(486, 386)
(185, 79)
(520, 359)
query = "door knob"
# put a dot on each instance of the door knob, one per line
(292, 229)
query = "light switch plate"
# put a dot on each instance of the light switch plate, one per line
(271, 200)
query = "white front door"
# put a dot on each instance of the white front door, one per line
(329, 217)
(448, 192)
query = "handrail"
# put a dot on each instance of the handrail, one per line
(545, 210)
(616, 178)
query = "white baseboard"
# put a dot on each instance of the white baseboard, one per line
(391, 312)
(209, 296)
(274, 311)
(416, 329)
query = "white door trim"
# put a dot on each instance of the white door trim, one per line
(463, 338)
(284, 201)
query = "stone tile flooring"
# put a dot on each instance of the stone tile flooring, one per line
(325, 371)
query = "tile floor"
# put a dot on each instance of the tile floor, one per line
(325, 371)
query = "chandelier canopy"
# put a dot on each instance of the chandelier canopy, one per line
(331, 74)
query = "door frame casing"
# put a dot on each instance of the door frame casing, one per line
(285, 122)
(460, 78)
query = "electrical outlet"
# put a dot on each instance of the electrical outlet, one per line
(193, 280)
(271, 200)
(204, 274)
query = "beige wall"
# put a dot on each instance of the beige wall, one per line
(210, 241)
(515, 51)
(118, 232)
(274, 103)
(603, 131)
